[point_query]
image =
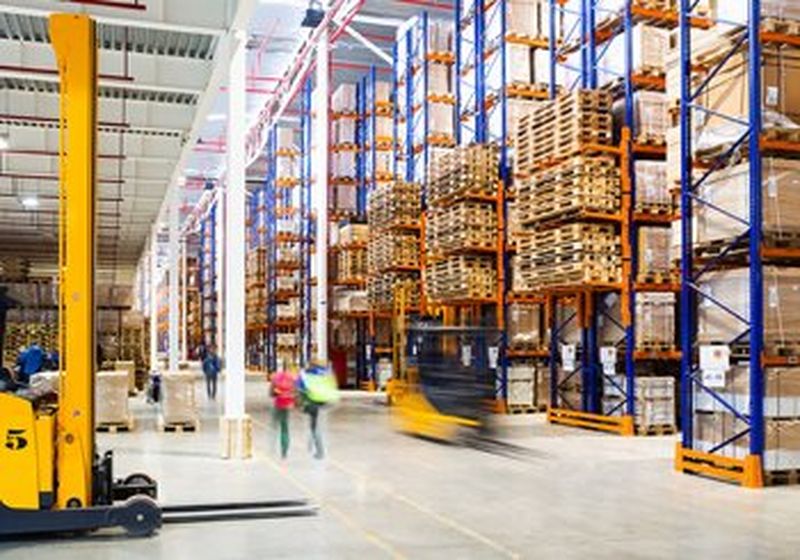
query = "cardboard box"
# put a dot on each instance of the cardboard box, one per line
(731, 287)
(728, 94)
(519, 69)
(729, 190)
(781, 392)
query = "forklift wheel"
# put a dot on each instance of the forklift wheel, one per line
(140, 516)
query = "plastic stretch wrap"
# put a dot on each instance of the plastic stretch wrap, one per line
(179, 404)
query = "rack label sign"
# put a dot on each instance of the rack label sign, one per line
(715, 361)
(608, 357)
(568, 353)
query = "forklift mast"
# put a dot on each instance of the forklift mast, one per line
(74, 42)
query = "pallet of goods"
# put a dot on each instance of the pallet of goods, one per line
(655, 402)
(351, 265)
(655, 322)
(525, 326)
(653, 195)
(655, 265)
(521, 389)
(732, 288)
(111, 401)
(179, 410)
(382, 288)
(728, 190)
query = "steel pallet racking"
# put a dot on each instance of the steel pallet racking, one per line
(751, 139)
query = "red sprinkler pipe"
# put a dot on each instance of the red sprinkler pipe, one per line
(425, 3)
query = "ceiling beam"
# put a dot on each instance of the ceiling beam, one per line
(116, 21)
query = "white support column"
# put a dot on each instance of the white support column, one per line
(153, 297)
(320, 195)
(184, 303)
(173, 350)
(236, 427)
(219, 269)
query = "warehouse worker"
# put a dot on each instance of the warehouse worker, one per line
(282, 389)
(30, 362)
(211, 369)
(317, 388)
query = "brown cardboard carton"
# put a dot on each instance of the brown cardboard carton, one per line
(729, 191)
(731, 287)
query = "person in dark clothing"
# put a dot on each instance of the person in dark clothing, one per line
(30, 362)
(211, 369)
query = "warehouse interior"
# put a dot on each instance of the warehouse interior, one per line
(399, 278)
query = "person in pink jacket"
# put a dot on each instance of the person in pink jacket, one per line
(283, 395)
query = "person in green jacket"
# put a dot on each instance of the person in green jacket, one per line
(316, 387)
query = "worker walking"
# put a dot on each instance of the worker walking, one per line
(282, 389)
(211, 369)
(29, 362)
(317, 387)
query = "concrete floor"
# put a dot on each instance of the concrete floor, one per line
(568, 494)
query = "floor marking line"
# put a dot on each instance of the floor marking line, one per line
(452, 523)
(327, 505)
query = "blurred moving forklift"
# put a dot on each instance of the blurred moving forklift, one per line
(52, 479)
(443, 386)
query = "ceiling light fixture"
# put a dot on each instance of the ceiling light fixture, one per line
(215, 117)
(5, 142)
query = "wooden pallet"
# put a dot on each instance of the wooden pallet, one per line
(522, 409)
(656, 430)
(178, 427)
(115, 427)
(782, 477)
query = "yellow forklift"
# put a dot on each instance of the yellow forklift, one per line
(443, 381)
(51, 478)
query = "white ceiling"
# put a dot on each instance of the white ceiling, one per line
(162, 104)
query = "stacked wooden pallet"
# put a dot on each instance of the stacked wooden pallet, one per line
(394, 249)
(572, 254)
(576, 186)
(574, 123)
(393, 204)
(462, 224)
(381, 289)
(461, 277)
(351, 265)
(465, 225)
(463, 172)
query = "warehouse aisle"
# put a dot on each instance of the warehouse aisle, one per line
(567, 494)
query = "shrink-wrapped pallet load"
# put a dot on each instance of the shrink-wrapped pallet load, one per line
(111, 400)
(731, 287)
(525, 325)
(654, 254)
(178, 401)
(130, 369)
(655, 321)
(729, 193)
(521, 386)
